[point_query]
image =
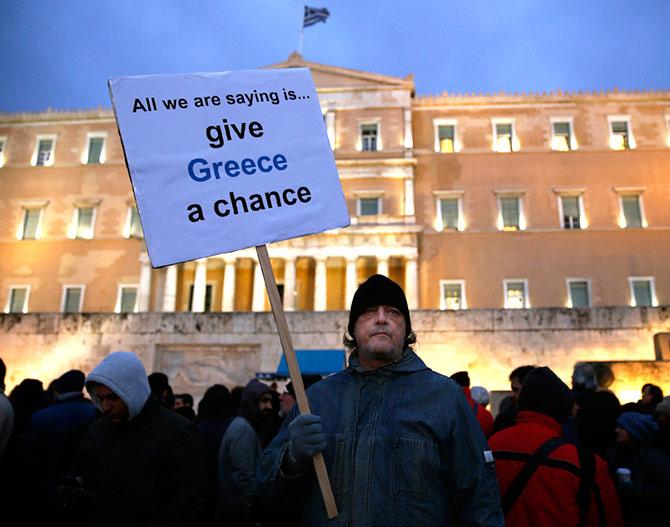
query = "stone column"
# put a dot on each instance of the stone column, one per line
(258, 300)
(289, 284)
(320, 286)
(351, 282)
(408, 204)
(144, 289)
(412, 283)
(383, 265)
(199, 286)
(228, 303)
(170, 293)
(409, 141)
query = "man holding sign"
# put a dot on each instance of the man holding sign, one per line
(401, 444)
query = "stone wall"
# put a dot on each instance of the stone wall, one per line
(197, 350)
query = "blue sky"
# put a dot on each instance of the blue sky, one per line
(59, 54)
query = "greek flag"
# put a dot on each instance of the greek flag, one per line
(314, 15)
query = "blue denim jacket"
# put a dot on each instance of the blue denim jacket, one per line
(403, 448)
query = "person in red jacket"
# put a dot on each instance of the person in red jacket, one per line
(543, 479)
(484, 417)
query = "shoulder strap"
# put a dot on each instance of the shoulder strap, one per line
(588, 487)
(517, 486)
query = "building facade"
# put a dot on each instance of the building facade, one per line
(477, 201)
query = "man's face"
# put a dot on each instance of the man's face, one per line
(380, 336)
(622, 435)
(515, 384)
(286, 402)
(112, 406)
(647, 396)
(265, 405)
(178, 403)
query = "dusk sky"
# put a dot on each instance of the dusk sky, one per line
(59, 54)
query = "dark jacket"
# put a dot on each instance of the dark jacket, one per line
(645, 501)
(148, 471)
(550, 496)
(402, 448)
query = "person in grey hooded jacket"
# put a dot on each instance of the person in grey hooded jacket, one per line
(141, 465)
(400, 442)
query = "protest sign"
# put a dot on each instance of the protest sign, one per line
(225, 161)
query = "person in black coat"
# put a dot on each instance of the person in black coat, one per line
(142, 465)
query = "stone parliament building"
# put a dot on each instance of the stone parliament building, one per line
(533, 211)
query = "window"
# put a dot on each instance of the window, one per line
(329, 120)
(504, 138)
(133, 227)
(73, 298)
(621, 136)
(631, 213)
(17, 301)
(446, 140)
(579, 293)
(31, 226)
(95, 149)
(83, 222)
(516, 294)
(44, 151)
(370, 140)
(208, 298)
(510, 213)
(3, 146)
(369, 206)
(126, 299)
(642, 291)
(571, 212)
(562, 138)
(449, 212)
(453, 294)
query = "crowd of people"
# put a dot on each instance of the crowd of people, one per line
(403, 445)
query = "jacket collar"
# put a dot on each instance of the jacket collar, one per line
(536, 418)
(408, 363)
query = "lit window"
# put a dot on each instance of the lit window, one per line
(516, 294)
(133, 227)
(642, 291)
(30, 228)
(571, 212)
(17, 301)
(208, 298)
(621, 137)
(631, 215)
(510, 214)
(562, 138)
(3, 145)
(446, 140)
(453, 294)
(126, 300)
(370, 206)
(95, 149)
(44, 150)
(504, 138)
(73, 297)
(449, 210)
(83, 222)
(369, 137)
(579, 293)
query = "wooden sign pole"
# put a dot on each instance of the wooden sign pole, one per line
(294, 370)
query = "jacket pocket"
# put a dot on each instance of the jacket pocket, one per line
(415, 469)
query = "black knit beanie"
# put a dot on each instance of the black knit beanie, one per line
(545, 393)
(71, 381)
(378, 291)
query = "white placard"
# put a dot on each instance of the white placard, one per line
(225, 161)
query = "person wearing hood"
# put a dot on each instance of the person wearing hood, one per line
(642, 472)
(141, 465)
(544, 480)
(241, 446)
(400, 443)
